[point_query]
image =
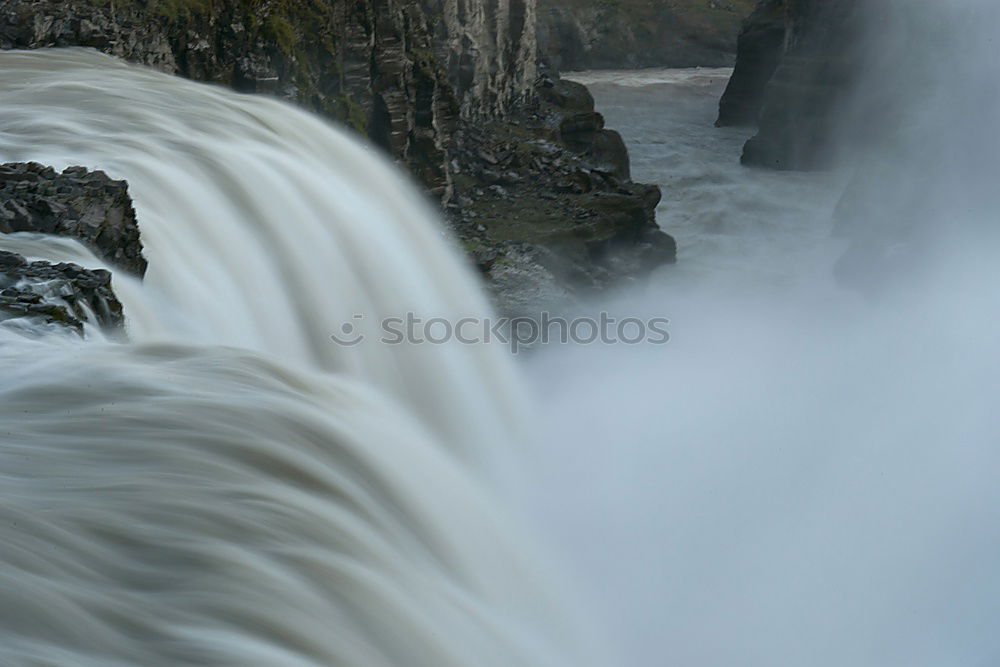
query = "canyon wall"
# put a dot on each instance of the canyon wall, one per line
(612, 34)
(797, 62)
(453, 90)
(400, 71)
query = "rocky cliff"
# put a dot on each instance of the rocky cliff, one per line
(400, 71)
(797, 62)
(613, 34)
(422, 79)
(545, 204)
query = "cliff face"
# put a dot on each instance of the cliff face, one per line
(760, 47)
(610, 34)
(422, 79)
(392, 69)
(796, 65)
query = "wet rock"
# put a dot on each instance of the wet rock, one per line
(564, 94)
(33, 24)
(609, 155)
(77, 203)
(37, 298)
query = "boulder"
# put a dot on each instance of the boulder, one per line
(77, 203)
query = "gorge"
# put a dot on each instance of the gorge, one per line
(209, 455)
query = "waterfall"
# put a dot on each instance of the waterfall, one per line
(264, 229)
(233, 486)
(804, 475)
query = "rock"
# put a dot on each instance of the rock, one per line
(575, 213)
(523, 284)
(403, 72)
(813, 51)
(760, 47)
(609, 155)
(569, 96)
(596, 34)
(80, 204)
(843, 81)
(40, 297)
(32, 24)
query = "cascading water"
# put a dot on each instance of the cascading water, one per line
(168, 504)
(264, 229)
(803, 475)
(234, 486)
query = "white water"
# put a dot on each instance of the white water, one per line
(233, 487)
(263, 229)
(200, 505)
(800, 477)
(803, 476)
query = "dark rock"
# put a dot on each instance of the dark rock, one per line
(608, 153)
(923, 190)
(797, 63)
(567, 95)
(574, 215)
(80, 204)
(760, 47)
(40, 297)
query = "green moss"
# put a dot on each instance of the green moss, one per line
(284, 34)
(473, 246)
(346, 109)
(356, 116)
(301, 31)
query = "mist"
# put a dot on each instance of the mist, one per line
(804, 474)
